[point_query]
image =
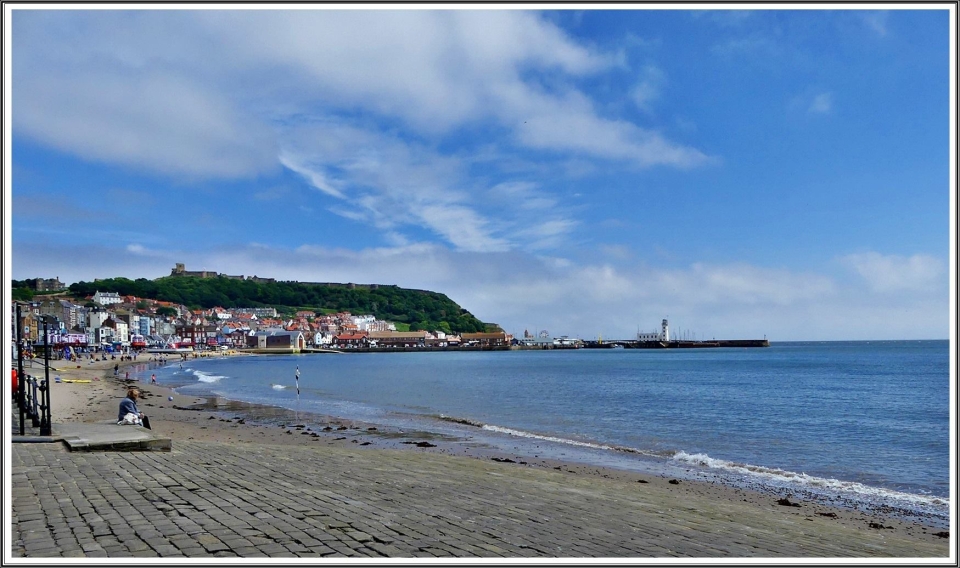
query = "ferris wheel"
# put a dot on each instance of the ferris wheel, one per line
(544, 334)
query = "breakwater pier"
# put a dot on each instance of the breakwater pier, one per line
(675, 344)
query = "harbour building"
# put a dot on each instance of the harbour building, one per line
(662, 335)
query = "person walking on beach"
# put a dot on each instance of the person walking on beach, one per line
(153, 379)
(129, 406)
(116, 369)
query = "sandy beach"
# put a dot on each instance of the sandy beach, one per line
(227, 422)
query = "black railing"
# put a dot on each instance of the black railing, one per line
(35, 404)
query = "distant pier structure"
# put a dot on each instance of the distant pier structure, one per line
(661, 340)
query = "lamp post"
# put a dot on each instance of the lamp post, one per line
(21, 382)
(45, 389)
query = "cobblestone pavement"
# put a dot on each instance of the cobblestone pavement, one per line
(209, 499)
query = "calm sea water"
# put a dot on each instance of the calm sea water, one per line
(867, 418)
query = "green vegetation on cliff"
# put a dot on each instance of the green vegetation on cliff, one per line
(416, 308)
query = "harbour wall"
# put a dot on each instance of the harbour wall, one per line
(633, 344)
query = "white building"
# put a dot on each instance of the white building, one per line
(96, 317)
(662, 335)
(106, 298)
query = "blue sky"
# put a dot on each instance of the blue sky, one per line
(778, 173)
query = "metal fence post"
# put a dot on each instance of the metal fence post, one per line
(32, 406)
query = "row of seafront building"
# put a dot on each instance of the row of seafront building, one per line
(109, 321)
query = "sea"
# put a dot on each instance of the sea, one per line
(864, 424)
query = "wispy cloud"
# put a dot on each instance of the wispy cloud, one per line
(128, 88)
(811, 102)
(822, 103)
(357, 103)
(647, 89)
(896, 273)
(312, 175)
(724, 18)
(753, 44)
(608, 296)
(876, 22)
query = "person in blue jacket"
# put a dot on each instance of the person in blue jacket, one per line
(129, 405)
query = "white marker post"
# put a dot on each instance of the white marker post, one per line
(298, 393)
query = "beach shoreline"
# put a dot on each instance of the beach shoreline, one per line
(214, 419)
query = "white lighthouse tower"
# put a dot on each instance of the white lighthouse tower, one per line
(665, 331)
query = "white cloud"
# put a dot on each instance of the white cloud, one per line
(140, 250)
(394, 183)
(750, 45)
(316, 179)
(895, 273)
(822, 103)
(647, 90)
(876, 22)
(201, 93)
(164, 122)
(520, 290)
(551, 129)
(462, 227)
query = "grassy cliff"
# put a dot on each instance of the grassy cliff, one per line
(419, 309)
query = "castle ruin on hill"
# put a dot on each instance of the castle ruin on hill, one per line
(180, 270)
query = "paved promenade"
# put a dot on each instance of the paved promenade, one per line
(210, 499)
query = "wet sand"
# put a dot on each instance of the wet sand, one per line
(222, 421)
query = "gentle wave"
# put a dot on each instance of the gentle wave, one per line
(567, 441)
(554, 439)
(207, 377)
(804, 480)
(703, 460)
(465, 421)
(278, 387)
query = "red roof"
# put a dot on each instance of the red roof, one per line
(352, 336)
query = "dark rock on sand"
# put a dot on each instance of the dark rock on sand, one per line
(504, 460)
(787, 503)
(674, 482)
(421, 444)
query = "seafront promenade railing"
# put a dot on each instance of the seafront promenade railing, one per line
(35, 404)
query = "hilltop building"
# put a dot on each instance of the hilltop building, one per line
(180, 270)
(48, 284)
(107, 298)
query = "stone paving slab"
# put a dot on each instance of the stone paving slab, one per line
(207, 499)
(98, 436)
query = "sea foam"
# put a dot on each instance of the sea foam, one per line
(776, 476)
(207, 377)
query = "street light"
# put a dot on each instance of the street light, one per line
(21, 380)
(45, 389)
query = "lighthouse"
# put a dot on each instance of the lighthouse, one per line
(665, 330)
